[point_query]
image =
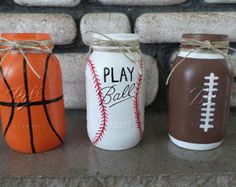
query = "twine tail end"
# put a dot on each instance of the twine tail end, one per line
(168, 79)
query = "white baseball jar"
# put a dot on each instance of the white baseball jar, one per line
(115, 92)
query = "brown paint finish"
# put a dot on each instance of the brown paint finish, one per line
(186, 100)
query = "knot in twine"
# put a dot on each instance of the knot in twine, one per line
(22, 46)
(217, 47)
(126, 47)
(207, 44)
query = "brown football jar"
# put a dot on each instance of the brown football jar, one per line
(199, 95)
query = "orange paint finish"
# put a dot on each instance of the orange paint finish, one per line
(32, 108)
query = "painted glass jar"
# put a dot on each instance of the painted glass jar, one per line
(31, 99)
(115, 92)
(199, 94)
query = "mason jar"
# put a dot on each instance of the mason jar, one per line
(115, 92)
(199, 94)
(31, 95)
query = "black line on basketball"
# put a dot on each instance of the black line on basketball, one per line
(34, 103)
(12, 101)
(43, 94)
(28, 107)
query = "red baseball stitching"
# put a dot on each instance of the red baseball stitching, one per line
(137, 112)
(102, 107)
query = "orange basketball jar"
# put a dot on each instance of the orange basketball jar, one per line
(31, 99)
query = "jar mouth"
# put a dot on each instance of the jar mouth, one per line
(204, 37)
(206, 42)
(26, 36)
(117, 36)
(26, 41)
(115, 42)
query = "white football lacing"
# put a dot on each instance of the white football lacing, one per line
(208, 107)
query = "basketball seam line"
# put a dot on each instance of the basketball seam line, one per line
(28, 107)
(35, 103)
(12, 98)
(44, 105)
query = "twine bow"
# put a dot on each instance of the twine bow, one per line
(22, 46)
(218, 47)
(124, 46)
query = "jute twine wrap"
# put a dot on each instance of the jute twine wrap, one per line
(126, 47)
(23, 47)
(217, 47)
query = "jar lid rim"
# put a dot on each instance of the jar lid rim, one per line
(26, 36)
(203, 37)
(118, 36)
